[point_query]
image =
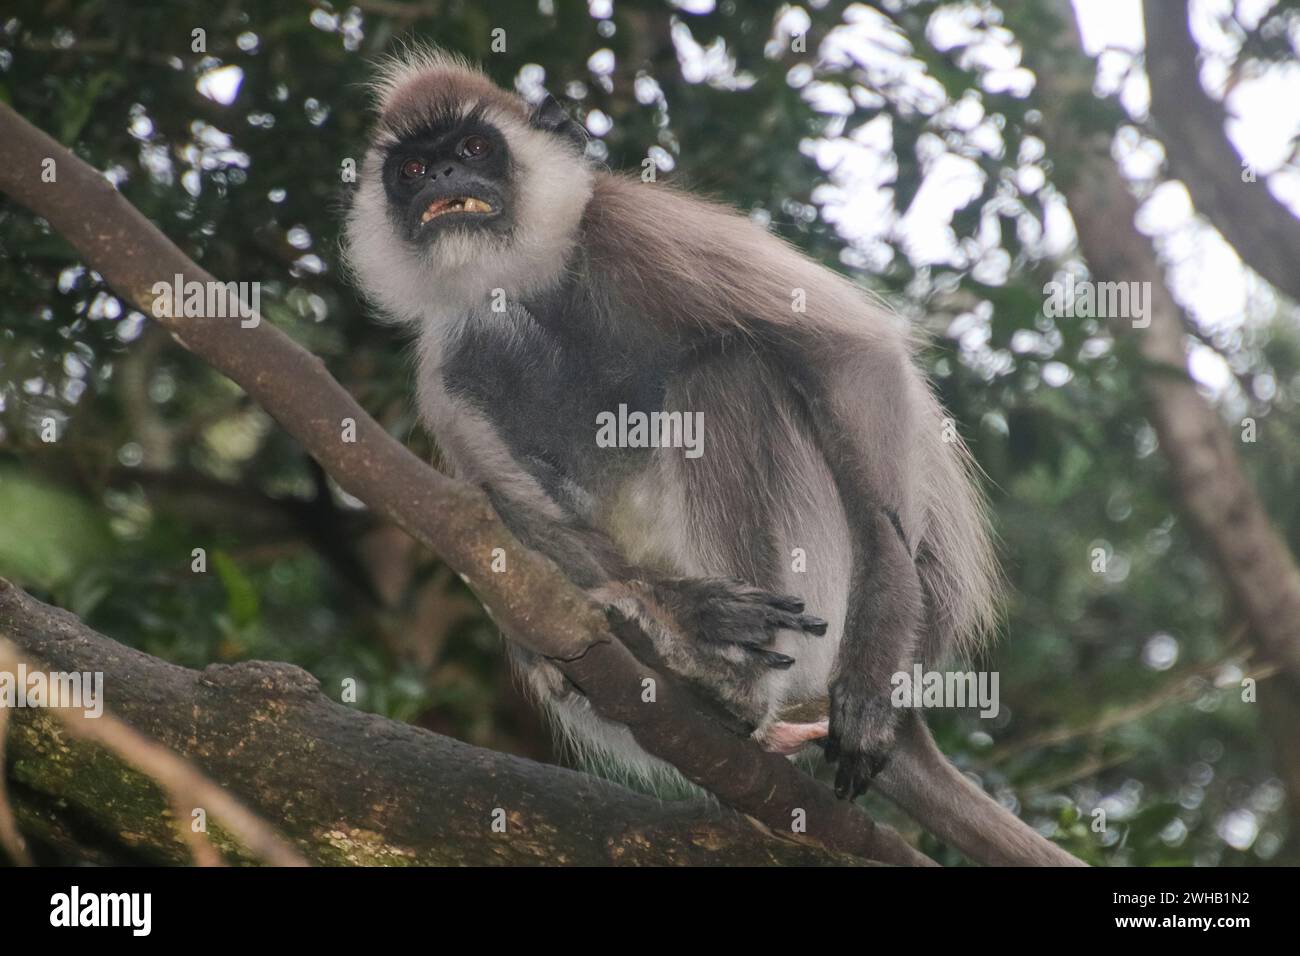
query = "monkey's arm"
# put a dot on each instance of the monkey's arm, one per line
(713, 633)
(586, 556)
(868, 448)
(546, 473)
(718, 610)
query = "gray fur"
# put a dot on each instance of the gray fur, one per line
(822, 433)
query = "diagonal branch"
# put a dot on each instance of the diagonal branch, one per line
(533, 602)
(1214, 491)
(1191, 124)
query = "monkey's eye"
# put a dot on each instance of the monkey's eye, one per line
(474, 147)
(413, 169)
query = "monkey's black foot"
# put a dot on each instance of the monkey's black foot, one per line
(730, 611)
(863, 727)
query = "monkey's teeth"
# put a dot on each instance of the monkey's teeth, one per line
(440, 206)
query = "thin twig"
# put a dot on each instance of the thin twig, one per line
(11, 841)
(184, 785)
(205, 854)
(1185, 687)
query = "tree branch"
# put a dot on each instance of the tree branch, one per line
(533, 602)
(1191, 124)
(345, 786)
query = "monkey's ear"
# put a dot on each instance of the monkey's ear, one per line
(550, 116)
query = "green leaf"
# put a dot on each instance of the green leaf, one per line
(241, 596)
(47, 535)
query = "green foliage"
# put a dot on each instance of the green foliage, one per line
(158, 455)
(50, 534)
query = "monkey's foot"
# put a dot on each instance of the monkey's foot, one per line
(786, 738)
(861, 737)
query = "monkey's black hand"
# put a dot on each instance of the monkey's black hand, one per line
(863, 725)
(729, 611)
(729, 674)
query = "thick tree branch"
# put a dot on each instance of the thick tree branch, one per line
(345, 786)
(1215, 493)
(186, 788)
(533, 602)
(1191, 124)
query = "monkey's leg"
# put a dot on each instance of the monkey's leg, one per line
(880, 638)
(869, 451)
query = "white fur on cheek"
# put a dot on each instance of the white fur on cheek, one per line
(553, 188)
(387, 269)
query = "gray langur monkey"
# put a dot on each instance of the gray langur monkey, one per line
(548, 295)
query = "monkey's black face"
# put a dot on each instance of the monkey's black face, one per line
(452, 176)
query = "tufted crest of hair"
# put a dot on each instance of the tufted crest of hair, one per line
(422, 86)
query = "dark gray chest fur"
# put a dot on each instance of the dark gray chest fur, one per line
(541, 372)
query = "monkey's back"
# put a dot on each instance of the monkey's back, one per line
(700, 271)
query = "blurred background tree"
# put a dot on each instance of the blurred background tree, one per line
(898, 141)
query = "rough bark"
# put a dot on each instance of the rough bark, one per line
(1192, 125)
(345, 786)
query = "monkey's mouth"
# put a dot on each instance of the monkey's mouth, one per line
(450, 204)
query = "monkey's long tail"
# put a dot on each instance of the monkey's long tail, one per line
(923, 783)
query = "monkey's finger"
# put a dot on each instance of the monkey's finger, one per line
(807, 623)
(813, 624)
(843, 779)
(876, 763)
(786, 602)
(857, 772)
(772, 659)
(615, 615)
